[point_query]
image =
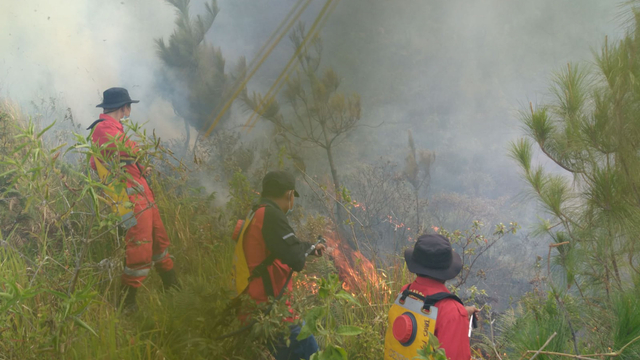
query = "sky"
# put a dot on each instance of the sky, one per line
(73, 50)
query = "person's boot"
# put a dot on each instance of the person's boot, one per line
(129, 305)
(169, 280)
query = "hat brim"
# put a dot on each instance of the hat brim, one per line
(117, 105)
(439, 274)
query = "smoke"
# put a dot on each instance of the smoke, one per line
(73, 50)
(454, 72)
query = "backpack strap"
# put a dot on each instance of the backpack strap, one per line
(406, 292)
(262, 271)
(95, 123)
(430, 300)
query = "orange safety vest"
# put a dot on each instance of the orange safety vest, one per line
(256, 271)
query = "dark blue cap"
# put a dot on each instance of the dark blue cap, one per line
(115, 97)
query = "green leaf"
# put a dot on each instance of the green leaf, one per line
(84, 325)
(349, 330)
(57, 148)
(348, 297)
(58, 294)
(331, 353)
(433, 341)
(323, 292)
(305, 332)
(8, 173)
(20, 147)
(28, 204)
(310, 322)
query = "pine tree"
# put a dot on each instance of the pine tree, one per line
(417, 171)
(591, 130)
(319, 115)
(194, 71)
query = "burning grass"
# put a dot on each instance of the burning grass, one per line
(358, 274)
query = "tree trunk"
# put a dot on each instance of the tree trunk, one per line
(334, 174)
(417, 212)
(340, 216)
(186, 144)
(336, 184)
(195, 144)
(616, 272)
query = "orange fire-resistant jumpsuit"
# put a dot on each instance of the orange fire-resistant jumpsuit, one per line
(146, 242)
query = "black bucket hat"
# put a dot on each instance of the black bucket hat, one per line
(433, 256)
(115, 97)
(279, 181)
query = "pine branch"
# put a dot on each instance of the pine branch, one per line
(543, 346)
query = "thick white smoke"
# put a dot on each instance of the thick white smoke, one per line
(74, 49)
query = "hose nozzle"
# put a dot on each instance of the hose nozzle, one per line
(320, 240)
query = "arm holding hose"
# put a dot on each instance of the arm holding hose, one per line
(318, 248)
(282, 242)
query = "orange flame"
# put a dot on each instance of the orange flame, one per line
(358, 274)
(358, 205)
(395, 222)
(307, 282)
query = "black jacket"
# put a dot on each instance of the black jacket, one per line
(279, 237)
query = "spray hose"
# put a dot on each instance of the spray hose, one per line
(320, 240)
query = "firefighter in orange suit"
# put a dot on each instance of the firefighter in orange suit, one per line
(146, 241)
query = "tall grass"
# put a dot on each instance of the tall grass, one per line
(61, 258)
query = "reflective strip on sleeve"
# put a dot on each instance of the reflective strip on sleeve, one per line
(160, 256)
(288, 236)
(137, 273)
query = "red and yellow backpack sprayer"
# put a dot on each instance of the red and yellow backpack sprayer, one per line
(412, 320)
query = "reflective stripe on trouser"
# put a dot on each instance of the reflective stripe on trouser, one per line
(146, 244)
(159, 257)
(136, 273)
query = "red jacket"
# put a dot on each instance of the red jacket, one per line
(452, 324)
(105, 131)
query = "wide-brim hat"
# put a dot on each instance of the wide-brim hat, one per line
(433, 256)
(115, 97)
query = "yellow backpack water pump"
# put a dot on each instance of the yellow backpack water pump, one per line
(119, 200)
(412, 319)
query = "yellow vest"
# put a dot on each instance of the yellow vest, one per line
(241, 271)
